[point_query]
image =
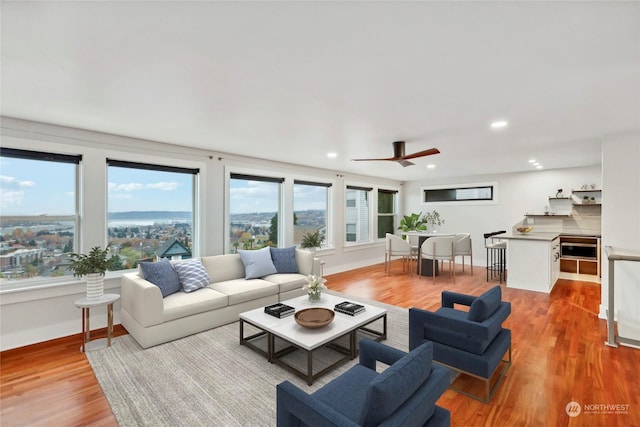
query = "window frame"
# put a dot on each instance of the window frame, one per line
(251, 175)
(370, 239)
(328, 239)
(159, 167)
(461, 202)
(37, 155)
(393, 214)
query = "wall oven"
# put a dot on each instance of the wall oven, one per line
(579, 250)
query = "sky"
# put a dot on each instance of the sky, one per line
(27, 188)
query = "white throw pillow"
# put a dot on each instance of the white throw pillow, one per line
(257, 263)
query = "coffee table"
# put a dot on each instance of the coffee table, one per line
(308, 340)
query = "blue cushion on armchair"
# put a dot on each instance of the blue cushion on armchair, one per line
(389, 390)
(485, 305)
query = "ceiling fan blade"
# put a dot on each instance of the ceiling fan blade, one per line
(373, 160)
(405, 163)
(424, 153)
(399, 156)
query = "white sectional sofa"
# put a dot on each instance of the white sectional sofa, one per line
(152, 319)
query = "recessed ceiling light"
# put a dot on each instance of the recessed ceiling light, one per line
(332, 155)
(431, 166)
(498, 124)
(532, 160)
(536, 164)
(539, 167)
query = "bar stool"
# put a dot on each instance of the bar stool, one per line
(496, 256)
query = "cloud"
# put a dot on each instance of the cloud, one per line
(11, 181)
(9, 198)
(137, 186)
(132, 186)
(164, 186)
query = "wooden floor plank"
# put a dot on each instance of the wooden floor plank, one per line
(559, 356)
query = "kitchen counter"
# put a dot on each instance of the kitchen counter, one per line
(548, 237)
(532, 260)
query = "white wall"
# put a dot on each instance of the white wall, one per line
(517, 194)
(47, 312)
(621, 224)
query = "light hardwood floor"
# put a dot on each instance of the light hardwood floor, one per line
(559, 356)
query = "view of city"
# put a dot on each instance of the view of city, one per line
(34, 247)
(38, 214)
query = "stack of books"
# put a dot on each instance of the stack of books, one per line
(279, 310)
(350, 308)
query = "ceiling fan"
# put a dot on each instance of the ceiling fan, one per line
(400, 157)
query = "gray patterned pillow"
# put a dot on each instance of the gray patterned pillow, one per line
(192, 274)
(162, 275)
(284, 259)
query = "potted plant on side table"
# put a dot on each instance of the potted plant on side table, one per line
(93, 265)
(312, 240)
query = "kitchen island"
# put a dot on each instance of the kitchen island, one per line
(533, 260)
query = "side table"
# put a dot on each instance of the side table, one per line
(85, 304)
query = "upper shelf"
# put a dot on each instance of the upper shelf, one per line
(593, 190)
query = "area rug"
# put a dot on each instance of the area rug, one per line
(208, 378)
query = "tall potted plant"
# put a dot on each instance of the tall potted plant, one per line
(412, 222)
(93, 265)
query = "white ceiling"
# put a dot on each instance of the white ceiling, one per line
(290, 81)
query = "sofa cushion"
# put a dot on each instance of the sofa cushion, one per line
(257, 263)
(485, 305)
(389, 390)
(192, 274)
(223, 267)
(182, 304)
(287, 282)
(284, 259)
(241, 290)
(162, 274)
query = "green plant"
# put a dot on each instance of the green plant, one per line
(97, 261)
(312, 239)
(433, 219)
(412, 222)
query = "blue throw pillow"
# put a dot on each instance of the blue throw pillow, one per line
(192, 274)
(161, 274)
(485, 305)
(257, 263)
(284, 259)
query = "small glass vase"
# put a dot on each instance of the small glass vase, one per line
(314, 296)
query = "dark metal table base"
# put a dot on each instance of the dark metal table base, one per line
(273, 356)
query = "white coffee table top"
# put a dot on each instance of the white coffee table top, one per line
(307, 338)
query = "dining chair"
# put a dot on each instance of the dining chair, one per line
(397, 247)
(463, 247)
(438, 249)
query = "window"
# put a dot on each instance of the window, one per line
(39, 214)
(254, 205)
(150, 211)
(386, 212)
(310, 207)
(458, 194)
(357, 214)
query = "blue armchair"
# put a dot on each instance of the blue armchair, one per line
(404, 394)
(472, 342)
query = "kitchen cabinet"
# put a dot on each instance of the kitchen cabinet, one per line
(533, 261)
(580, 266)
